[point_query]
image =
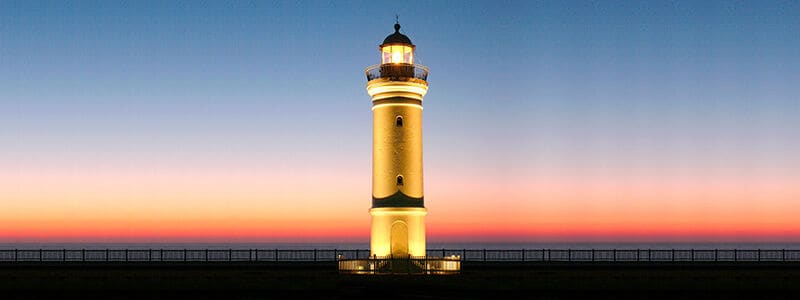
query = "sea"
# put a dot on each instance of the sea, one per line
(431, 246)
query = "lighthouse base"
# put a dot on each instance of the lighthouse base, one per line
(405, 265)
(398, 232)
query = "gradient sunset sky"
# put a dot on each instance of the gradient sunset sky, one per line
(168, 121)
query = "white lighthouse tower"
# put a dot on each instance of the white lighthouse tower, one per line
(397, 87)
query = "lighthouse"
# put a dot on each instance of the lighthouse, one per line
(397, 237)
(397, 87)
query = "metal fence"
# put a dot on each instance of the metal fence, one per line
(622, 255)
(171, 255)
(476, 255)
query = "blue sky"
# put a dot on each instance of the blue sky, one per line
(517, 88)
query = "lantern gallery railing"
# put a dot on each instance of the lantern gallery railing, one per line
(397, 72)
(464, 255)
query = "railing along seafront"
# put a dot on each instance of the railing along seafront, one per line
(443, 255)
(397, 71)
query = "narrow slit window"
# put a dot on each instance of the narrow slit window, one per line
(399, 121)
(399, 179)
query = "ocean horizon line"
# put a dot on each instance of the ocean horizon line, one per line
(430, 246)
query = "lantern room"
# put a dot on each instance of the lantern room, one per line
(397, 60)
(397, 48)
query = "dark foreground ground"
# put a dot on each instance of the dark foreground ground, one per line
(301, 280)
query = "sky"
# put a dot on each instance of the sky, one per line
(238, 121)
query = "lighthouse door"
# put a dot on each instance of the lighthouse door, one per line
(399, 239)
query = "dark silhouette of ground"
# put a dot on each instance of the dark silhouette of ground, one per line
(321, 280)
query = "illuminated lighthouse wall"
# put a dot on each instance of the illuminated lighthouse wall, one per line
(397, 88)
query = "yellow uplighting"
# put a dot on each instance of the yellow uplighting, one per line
(385, 221)
(410, 88)
(397, 54)
(396, 104)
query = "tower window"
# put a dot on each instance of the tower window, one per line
(399, 179)
(399, 121)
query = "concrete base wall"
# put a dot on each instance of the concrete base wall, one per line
(383, 219)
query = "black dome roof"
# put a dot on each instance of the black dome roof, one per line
(397, 37)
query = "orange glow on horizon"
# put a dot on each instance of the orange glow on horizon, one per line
(259, 206)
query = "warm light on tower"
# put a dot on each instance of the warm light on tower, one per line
(397, 54)
(397, 88)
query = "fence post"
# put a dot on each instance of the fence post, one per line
(149, 254)
(592, 254)
(276, 254)
(637, 254)
(63, 254)
(315, 254)
(716, 254)
(614, 251)
(648, 254)
(484, 255)
(672, 254)
(184, 255)
(759, 254)
(230, 254)
(206, 255)
(783, 254)
(463, 254)
(523, 254)
(443, 254)
(549, 256)
(40, 254)
(107, 259)
(161, 254)
(83, 255)
(427, 266)
(126, 255)
(692, 255)
(735, 254)
(250, 255)
(569, 254)
(16, 254)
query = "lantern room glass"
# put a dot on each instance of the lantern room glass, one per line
(397, 54)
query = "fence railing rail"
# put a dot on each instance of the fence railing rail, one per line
(477, 255)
